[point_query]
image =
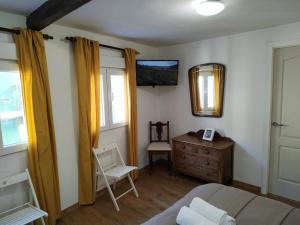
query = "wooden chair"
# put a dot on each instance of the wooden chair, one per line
(24, 213)
(158, 145)
(113, 170)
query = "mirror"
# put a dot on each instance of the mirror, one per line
(207, 89)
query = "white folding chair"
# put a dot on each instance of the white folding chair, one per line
(114, 170)
(27, 212)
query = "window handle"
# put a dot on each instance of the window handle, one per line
(275, 124)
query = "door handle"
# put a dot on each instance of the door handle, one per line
(275, 124)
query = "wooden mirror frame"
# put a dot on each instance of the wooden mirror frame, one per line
(194, 95)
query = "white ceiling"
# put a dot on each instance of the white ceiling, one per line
(166, 22)
(22, 7)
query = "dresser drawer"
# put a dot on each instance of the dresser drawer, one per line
(209, 175)
(197, 150)
(181, 157)
(205, 174)
(207, 163)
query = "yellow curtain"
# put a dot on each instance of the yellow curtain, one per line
(42, 161)
(130, 58)
(217, 90)
(195, 91)
(87, 62)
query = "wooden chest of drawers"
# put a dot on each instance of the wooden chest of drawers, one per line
(210, 161)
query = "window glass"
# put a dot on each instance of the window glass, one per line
(118, 97)
(12, 119)
(113, 104)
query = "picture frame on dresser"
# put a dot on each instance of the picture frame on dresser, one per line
(208, 134)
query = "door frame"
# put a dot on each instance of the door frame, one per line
(265, 187)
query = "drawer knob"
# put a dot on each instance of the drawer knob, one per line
(184, 156)
(207, 152)
(206, 163)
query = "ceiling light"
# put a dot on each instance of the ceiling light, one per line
(208, 7)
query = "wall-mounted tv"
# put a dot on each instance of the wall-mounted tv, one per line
(156, 72)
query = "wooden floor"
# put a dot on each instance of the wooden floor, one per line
(157, 192)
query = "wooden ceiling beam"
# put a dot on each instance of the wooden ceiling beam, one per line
(51, 11)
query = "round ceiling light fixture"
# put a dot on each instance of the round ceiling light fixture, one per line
(208, 7)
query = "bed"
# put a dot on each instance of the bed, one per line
(245, 207)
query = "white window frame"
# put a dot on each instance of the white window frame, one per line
(10, 65)
(107, 72)
(105, 91)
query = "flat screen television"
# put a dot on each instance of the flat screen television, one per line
(156, 72)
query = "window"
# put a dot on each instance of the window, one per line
(118, 97)
(102, 101)
(12, 121)
(113, 98)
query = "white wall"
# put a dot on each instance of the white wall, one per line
(64, 105)
(246, 93)
(64, 102)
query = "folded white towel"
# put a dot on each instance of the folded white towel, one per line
(211, 212)
(187, 216)
(228, 220)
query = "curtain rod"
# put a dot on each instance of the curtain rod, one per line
(45, 36)
(72, 39)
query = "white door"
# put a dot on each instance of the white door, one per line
(285, 140)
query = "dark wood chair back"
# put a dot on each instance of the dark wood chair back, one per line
(159, 130)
